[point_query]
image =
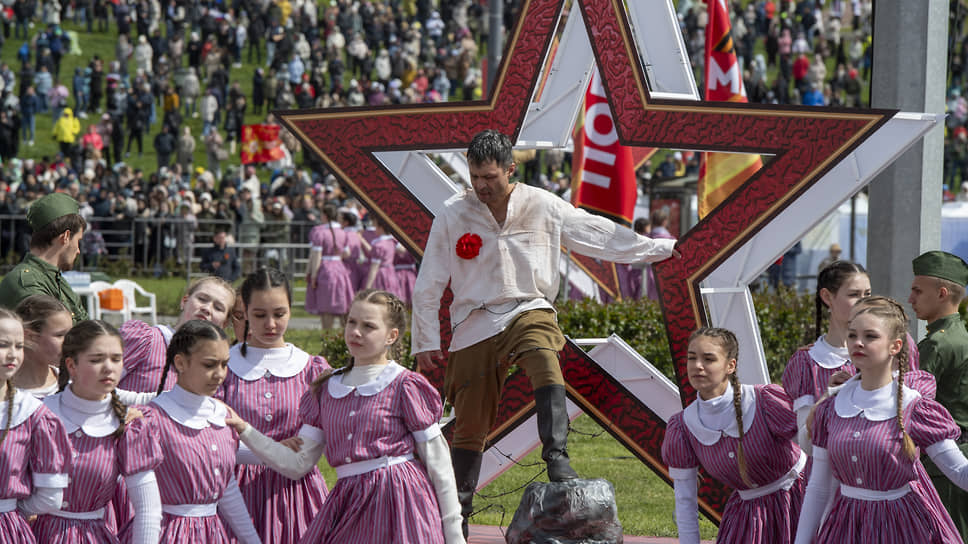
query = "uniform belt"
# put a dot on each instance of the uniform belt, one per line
(8, 505)
(872, 494)
(93, 514)
(362, 467)
(785, 482)
(191, 510)
(405, 267)
(330, 258)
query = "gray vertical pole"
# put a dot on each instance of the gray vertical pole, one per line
(495, 41)
(909, 73)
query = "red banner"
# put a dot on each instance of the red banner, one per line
(603, 171)
(721, 173)
(260, 143)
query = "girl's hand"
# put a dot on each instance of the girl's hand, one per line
(294, 443)
(838, 378)
(233, 420)
(133, 414)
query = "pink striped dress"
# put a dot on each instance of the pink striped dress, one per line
(352, 262)
(770, 455)
(199, 456)
(145, 350)
(864, 450)
(265, 388)
(334, 287)
(383, 250)
(406, 268)
(391, 505)
(99, 458)
(36, 451)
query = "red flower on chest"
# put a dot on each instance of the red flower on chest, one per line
(469, 246)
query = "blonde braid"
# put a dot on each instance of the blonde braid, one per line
(738, 409)
(902, 360)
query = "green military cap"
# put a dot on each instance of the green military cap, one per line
(941, 264)
(48, 208)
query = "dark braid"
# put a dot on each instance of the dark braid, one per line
(9, 398)
(120, 411)
(184, 340)
(831, 278)
(396, 319)
(261, 280)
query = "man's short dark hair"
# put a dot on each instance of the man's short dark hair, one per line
(44, 237)
(490, 145)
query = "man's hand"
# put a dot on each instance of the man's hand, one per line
(428, 360)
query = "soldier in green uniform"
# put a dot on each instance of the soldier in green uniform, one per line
(58, 229)
(937, 290)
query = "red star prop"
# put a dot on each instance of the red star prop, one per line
(804, 143)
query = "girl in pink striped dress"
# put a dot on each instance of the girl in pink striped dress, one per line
(406, 268)
(35, 453)
(104, 446)
(867, 436)
(350, 220)
(209, 298)
(381, 252)
(743, 436)
(195, 478)
(46, 321)
(266, 380)
(329, 288)
(372, 418)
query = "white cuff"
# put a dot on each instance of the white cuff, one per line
(313, 433)
(43, 500)
(427, 434)
(805, 401)
(51, 480)
(683, 473)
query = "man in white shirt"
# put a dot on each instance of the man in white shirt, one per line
(498, 247)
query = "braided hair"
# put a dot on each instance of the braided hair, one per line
(831, 278)
(184, 340)
(261, 280)
(730, 345)
(11, 390)
(396, 318)
(896, 322)
(78, 340)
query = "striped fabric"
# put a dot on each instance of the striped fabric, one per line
(196, 469)
(383, 249)
(867, 454)
(39, 445)
(394, 505)
(97, 464)
(145, 350)
(406, 267)
(804, 377)
(352, 263)
(281, 508)
(770, 454)
(334, 289)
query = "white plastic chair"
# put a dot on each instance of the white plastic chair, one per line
(99, 312)
(129, 288)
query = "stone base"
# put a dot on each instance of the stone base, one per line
(571, 512)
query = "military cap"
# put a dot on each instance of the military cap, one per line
(48, 208)
(941, 264)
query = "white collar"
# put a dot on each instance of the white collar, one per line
(338, 390)
(381, 238)
(828, 356)
(284, 362)
(878, 405)
(191, 410)
(94, 417)
(24, 405)
(707, 436)
(166, 333)
(335, 225)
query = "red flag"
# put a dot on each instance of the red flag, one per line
(721, 173)
(261, 143)
(603, 171)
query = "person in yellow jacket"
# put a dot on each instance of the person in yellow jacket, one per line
(66, 130)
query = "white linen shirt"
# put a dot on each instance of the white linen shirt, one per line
(517, 268)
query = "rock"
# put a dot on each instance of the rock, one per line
(570, 512)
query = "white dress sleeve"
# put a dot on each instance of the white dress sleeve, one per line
(951, 461)
(146, 500)
(817, 494)
(436, 457)
(42, 500)
(291, 464)
(130, 397)
(232, 508)
(685, 482)
(803, 433)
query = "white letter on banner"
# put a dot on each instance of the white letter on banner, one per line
(718, 77)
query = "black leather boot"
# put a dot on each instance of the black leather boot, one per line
(467, 469)
(553, 431)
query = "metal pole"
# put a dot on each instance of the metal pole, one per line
(495, 40)
(853, 226)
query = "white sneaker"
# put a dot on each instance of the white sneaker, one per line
(30, 143)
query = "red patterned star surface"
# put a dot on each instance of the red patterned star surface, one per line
(804, 144)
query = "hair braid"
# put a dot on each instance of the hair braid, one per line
(63, 377)
(121, 411)
(738, 409)
(902, 360)
(818, 320)
(245, 337)
(9, 398)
